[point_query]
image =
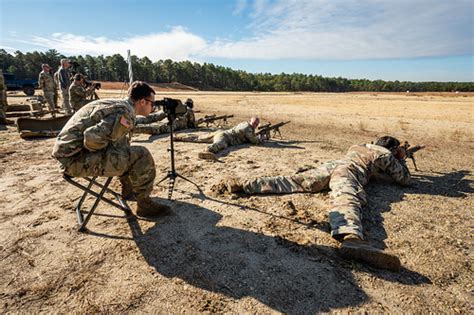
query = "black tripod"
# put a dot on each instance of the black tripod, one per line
(172, 174)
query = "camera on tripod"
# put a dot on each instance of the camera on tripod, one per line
(92, 85)
(172, 107)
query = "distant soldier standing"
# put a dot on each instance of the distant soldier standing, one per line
(346, 179)
(63, 78)
(242, 133)
(47, 84)
(3, 100)
(78, 94)
(96, 142)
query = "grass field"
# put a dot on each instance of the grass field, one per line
(259, 254)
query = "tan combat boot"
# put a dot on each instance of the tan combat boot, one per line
(234, 186)
(353, 247)
(206, 155)
(148, 207)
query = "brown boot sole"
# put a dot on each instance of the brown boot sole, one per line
(207, 156)
(370, 255)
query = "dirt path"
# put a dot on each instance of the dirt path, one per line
(264, 254)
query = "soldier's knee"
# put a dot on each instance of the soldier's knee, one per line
(138, 152)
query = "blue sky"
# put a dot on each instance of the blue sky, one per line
(416, 40)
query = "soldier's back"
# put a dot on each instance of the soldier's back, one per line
(70, 139)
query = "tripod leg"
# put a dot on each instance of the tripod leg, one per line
(188, 180)
(163, 179)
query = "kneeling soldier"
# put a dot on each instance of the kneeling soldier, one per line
(78, 94)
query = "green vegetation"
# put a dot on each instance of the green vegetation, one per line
(207, 76)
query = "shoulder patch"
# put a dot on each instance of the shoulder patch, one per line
(125, 122)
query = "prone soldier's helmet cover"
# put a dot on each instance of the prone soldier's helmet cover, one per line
(388, 142)
(189, 103)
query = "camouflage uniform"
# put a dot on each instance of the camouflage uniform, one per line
(145, 124)
(3, 99)
(95, 142)
(345, 178)
(47, 84)
(78, 96)
(242, 133)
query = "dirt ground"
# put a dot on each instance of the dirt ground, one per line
(219, 253)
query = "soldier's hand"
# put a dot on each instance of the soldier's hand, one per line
(400, 153)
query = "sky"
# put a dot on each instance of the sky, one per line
(414, 40)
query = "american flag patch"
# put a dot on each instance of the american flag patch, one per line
(124, 122)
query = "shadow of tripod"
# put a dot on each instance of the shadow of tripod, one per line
(172, 174)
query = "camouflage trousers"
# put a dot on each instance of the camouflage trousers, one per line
(50, 99)
(133, 163)
(152, 129)
(66, 105)
(219, 143)
(161, 128)
(346, 193)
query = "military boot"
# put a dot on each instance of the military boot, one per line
(353, 247)
(127, 189)
(147, 207)
(206, 155)
(234, 186)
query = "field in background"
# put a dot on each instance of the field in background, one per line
(260, 254)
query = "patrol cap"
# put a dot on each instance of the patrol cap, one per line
(45, 65)
(78, 77)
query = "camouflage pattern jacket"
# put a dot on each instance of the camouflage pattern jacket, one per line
(78, 96)
(46, 82)
(96, 126)
(365, 160)
(242, 133)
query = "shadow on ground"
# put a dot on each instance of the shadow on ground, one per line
(382, 194)
(283, 275)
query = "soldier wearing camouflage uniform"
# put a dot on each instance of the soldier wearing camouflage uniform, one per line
(3, 100)
(242, 133)
(47, 84)
(96, 142)
(77, 94)
(147, 124)
(346, 179)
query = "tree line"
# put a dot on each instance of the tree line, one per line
(208, 76)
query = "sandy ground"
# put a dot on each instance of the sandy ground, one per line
(261, 254)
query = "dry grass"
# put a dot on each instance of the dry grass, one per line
(264, 254)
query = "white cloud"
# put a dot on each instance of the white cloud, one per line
(353, 29)
(178, 44)
(306, 29)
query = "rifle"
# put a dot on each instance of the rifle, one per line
(410, 152)
(208, 119)
(264, 131)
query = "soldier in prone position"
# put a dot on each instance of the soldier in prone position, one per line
(346, 179)
(148, 124)
(96, 142)
(242, 133)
